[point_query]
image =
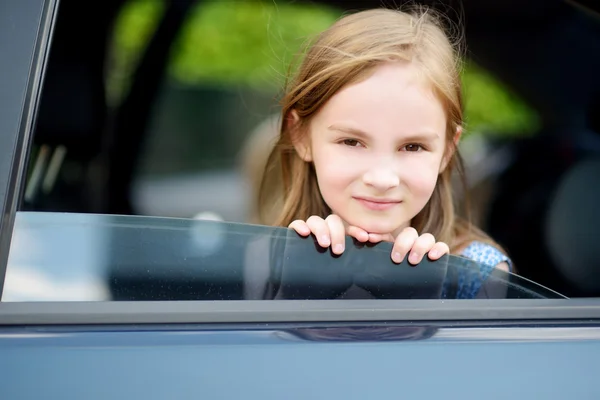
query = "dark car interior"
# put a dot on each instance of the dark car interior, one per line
(543, 205)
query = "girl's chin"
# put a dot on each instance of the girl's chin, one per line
(370, 227)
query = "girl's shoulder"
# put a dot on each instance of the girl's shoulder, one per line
(486, 255)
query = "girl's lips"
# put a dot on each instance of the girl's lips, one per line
(377, 205)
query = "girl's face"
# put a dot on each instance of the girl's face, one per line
(378, 147)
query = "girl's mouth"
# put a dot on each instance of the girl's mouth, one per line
(377, 204)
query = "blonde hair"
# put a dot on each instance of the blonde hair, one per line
(346, 53)
(253, 159)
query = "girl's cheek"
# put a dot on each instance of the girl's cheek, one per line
(334, 168)
(420, 175)
(346, 161)
(339, 174)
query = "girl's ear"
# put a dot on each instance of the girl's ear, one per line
(301, 142)
(450, 153)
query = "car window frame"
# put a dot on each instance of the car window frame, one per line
(29, 27)
(486, 312)
(23, 65)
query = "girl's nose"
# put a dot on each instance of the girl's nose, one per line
(381, 179)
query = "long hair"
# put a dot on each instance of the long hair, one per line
(347, 53)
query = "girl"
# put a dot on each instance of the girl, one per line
(368, 141)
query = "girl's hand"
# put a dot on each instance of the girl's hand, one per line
(331, 232)
(410, 243)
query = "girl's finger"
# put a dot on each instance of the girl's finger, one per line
(438, 250)
(319, 228)
(422, 245)
(300, 227)
(359, 234)
(337, 233)
(403, 243)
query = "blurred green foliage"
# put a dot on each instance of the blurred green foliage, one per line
(491, 108)
(133, 28)
(253, 42)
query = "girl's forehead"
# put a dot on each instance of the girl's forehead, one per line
(393, 97)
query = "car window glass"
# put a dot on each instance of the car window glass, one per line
(86, 257)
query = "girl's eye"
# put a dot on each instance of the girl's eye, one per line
(413, 147)
(351, 142)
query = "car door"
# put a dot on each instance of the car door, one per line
(63, 344)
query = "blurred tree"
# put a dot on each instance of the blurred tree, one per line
(252, 43)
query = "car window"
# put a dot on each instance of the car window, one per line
(142, 162)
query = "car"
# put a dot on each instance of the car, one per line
(116, 305)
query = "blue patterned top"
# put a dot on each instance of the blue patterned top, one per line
(487, 257)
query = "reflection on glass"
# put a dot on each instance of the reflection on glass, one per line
(87, 257)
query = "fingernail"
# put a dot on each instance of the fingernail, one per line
(325, 240)
(396, 257)
(414, 258)
(433, 254)
(338, 249)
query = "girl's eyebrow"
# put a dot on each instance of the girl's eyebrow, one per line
(349, 130)
(424, 136)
